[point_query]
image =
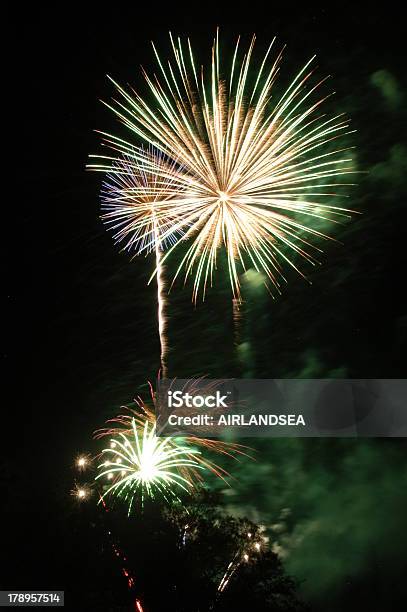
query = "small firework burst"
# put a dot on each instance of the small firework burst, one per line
(144, 464)
(139, 200)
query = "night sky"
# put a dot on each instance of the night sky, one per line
(81, 328)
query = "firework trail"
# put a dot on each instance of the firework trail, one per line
(241, 556)
(237, 319)
(162, 323)
(257, 166)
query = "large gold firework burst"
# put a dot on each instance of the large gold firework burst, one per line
(257, 167)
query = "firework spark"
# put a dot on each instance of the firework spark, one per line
(82, 492)
(83, 461)
(256, 169)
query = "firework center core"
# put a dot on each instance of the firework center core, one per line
(223, 197)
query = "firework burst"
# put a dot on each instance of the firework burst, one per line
(139, 200)
(146, 464)
(140, 463)
(256, 167)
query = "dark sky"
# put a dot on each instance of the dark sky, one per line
(80, 323)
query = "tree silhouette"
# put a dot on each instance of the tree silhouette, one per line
(195, 558)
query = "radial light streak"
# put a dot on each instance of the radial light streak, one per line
(257, 165)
